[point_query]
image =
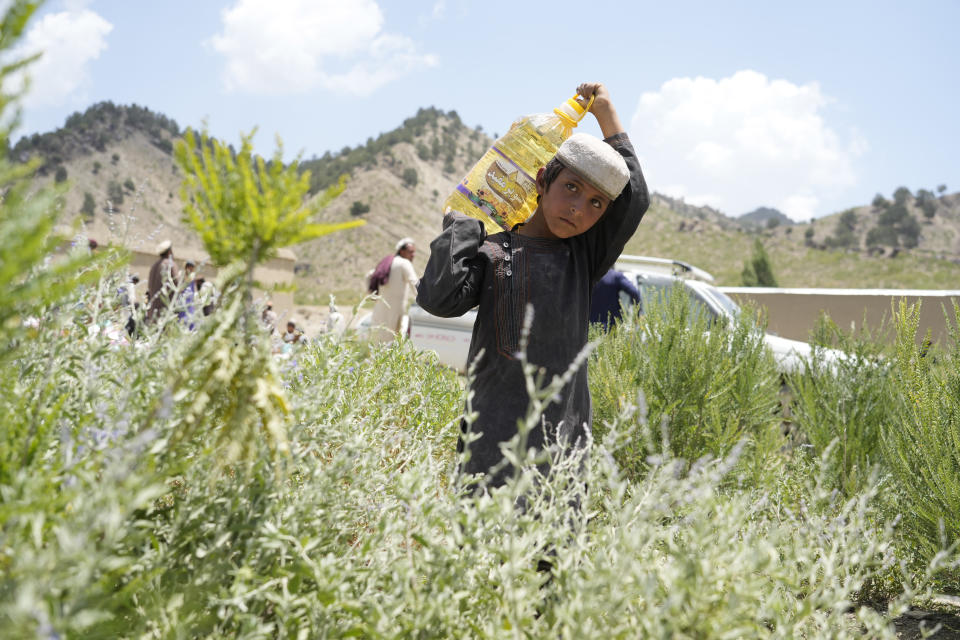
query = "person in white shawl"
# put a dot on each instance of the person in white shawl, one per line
(393, 286)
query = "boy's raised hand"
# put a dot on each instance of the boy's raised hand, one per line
(602, 107)
(587, 89)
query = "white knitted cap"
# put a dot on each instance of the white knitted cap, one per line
(404, 242)
(595, 161)
(163, 246)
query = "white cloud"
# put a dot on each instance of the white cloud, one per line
(291, 46)
(742, 142)
(69, 41)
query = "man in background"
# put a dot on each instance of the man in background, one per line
(393, 279)
(163, 281)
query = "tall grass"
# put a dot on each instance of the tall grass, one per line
(842, 405)
(707, 388)
(889, 416)
(922, 448)
(362, 530)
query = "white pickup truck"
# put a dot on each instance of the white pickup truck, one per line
(450, 337)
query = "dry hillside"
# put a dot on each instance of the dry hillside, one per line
(117, 163)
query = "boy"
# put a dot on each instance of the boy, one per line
(591, 198)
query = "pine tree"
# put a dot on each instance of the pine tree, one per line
(757, 271)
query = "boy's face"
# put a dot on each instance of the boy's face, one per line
(570, 205)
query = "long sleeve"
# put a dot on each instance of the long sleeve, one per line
(451, 282)
(605, 241)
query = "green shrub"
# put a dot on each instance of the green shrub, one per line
(922, 447)
(114, 192)
(901, 195)
(363, 531)
(359, 208)
(89, 206)
(757, 270)
(841, 405)
(879, 202)
(410, 177)
(706, 390)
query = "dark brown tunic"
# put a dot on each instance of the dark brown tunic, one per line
(504, 273)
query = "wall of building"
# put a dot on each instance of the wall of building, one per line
(792, 313)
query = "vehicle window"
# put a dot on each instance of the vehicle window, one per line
(724, 301)
(698, 307)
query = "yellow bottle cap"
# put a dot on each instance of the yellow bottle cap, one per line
(572, 112)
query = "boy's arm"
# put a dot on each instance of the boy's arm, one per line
(606, 239)
(451, 282)
(602, 108)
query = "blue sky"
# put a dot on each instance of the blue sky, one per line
(810, 107)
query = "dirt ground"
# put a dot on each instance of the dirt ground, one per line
(909, 625)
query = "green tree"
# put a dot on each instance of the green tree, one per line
(757, 271)
(882, 235)
(115, 158)
(901, 194)
(89, 207)
(359, 208)
(114, 192)
(96, 167)
(879, 202)
(844, 233)
(927, 203)
(244, 210)
(909, 232)
(410, 177)
(894, 215)
(129, 185)
(941, 188)
(243, 207)
(60, 175)
(848, 220)
(422, 151)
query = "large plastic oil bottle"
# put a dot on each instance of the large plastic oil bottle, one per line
(500, 190)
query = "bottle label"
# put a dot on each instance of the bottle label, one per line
(501, 190)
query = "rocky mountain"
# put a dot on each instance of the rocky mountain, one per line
(118, 161)
(125, 186)
(762, 217)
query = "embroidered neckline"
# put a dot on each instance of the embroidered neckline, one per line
(533, 240)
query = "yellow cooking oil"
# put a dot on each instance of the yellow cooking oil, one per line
(500, 190)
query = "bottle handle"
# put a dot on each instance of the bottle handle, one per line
(572, 111)
(586, 109)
